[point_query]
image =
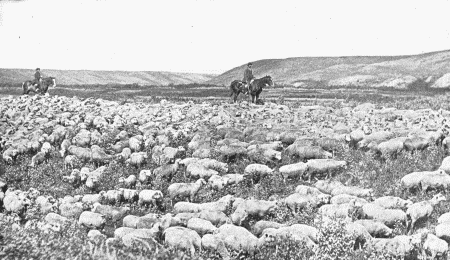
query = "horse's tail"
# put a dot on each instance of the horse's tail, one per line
(24, 88)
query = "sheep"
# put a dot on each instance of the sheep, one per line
(184, 206)
(391, 202)
(95, 235)
(345, 198)
(256, 169)
(422, 210)
(70, 160)
(53, 218)
(445, 165)
(307, 152)
(144, 235)
(215, 244)
(167, 171)
(217, 218)
(353, 190)
(130, 195)
(111, 212)
(64, 147)
(375, 228)
(299, 232)
(153, 197)
(377, 137)
(128, 182)
(390, 147)
(144, 176)
(237, 238)
(82, 138)
(318, 166)
(10, 154)
(388, 216)
(71, 210)
(137, 159)
(412, 180)
(84, 154)
(435, 180)
(256, 208)
(217, 182)
(233, 178)
(38, 158)
(307, 190)
(182, 238)
(185, 189)
(99, 156)
(113, 196)
(92, 220)
(201, 226)
(259, 227)
(130, 221)
(46, 148)
(200, 171)
(136, 143)
(416, 143)
(298, 201)
(91, 199)
(120, 146)
(292, 170)
(214, 165)
(435, 246)
(125, 154)
(264, 155)
(92, 182)
(336, 210)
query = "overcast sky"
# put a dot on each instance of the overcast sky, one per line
(211, 36)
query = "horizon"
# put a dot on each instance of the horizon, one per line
(216, 74)
(210, 37)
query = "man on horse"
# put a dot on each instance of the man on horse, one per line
(37, 78)
(248, 77)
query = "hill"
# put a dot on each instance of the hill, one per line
(382, 71)
(80, 77)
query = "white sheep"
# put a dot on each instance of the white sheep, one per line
(435, 247)
(237, 238)
(233, 178)
(320, 166)
(201, 226)
(144, 176)
(388, 216)
(10, 154)
(259, 227)
(137, 158)
(46, 148)
(298, 201)
(307, 190)
(257, 169)
(412, 180)
(130, 195)
(199, 171)
(92, 219)
(292, 170)
(38, 158)
(153, 197)
(185, 189)
(375, 228)
(435, 180)
(64, 146)
(217, 218)
(391, 202)
(130, 221)
(167, 171)
(214, 165)
(128, 182)
(113, 196)
(258, 208)
(217, 182)
(345, 198)
(136, 143)
(90, 199)
(182, 238)
(422, 210)
(70, 160)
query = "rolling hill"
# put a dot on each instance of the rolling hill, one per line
(79, 77)
(384, 71)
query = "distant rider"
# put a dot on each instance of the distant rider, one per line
(37, 78)
(248, 77)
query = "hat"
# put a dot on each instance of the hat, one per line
(38, 69)
(249, 64)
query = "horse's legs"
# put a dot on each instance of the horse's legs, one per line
(253, 98)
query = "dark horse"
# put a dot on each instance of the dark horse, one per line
(236, 87)
(257, 85)
(29, 85)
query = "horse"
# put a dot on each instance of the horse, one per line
(236, 87)
(29, 85)
(256, 86)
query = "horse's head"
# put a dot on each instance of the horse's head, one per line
(53, 79)
(268, 80)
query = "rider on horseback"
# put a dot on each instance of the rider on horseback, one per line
(248, 77)
(37, 78)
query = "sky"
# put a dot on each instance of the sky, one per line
(207, 36)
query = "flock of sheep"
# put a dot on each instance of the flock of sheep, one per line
(295, 143)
